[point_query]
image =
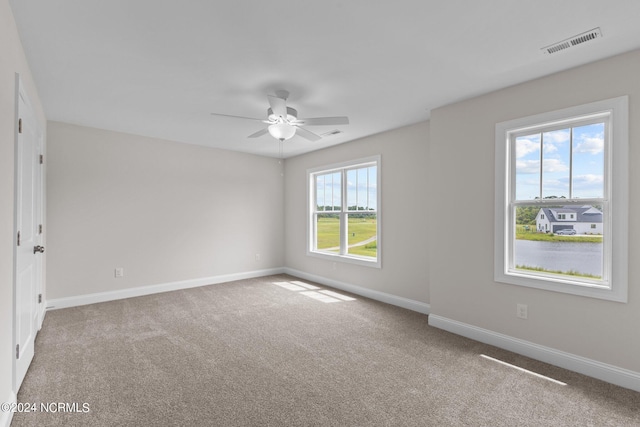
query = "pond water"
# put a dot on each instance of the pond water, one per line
(564, 256)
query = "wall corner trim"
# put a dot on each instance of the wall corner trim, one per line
(407, 303)
(592, 368)
(7, 416)
(78, 300)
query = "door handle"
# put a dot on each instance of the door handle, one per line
(37, 249)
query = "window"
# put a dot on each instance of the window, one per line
(344, 217)
(561, 200)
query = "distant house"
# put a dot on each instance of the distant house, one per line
(584, 219)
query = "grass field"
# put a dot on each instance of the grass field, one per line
(360, 229)
(559, 272)
(532, 234)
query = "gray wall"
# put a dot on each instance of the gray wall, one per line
(404, 208)
(462, 171)
(164, 211)
(12, 61)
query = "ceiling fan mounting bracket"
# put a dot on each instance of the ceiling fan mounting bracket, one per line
(282, 94)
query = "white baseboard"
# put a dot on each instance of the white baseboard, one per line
(407, 303)
(6, 417)
(74, 301)
(602, 371)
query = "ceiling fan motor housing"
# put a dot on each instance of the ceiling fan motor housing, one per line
(292, 115)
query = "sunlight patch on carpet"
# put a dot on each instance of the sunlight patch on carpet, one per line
(320, 295)
(304, 285)
(535, 374)
(337, 295)
(289, 286)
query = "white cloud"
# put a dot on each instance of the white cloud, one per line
(533, 166)
(589, 185)
(557, 136)
(550, 148)
(591, 145)
(527, 166)
(551, 140)
(555, 184)
(554, 165)
(525, 146)
(587, 180)
(533, 182)
(555, 187)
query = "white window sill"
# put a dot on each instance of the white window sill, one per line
(349, 259)
(561, 285)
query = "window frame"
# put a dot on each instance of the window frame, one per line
(616, 193)
(343, 167)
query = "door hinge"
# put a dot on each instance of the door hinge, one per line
(19, 125)
(18, 238)
(41, 159)
(39, 298)
(17, 351)
(40, 229)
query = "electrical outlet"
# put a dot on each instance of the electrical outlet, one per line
(257, 257)
(521, 311)
(334, 266)
(119, 272)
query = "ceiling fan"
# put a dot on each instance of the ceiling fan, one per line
(284, 123)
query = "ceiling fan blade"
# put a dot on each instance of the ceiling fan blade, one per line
(322, 121)
(307, 134)
(237, 117)
(259, 133)
(278, 106)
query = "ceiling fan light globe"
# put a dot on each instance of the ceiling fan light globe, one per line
(282, 131)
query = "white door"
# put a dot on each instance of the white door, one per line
(28, 238)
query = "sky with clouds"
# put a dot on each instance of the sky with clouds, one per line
(361, 188)
(573, 155)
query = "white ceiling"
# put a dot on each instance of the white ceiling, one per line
(159, 67)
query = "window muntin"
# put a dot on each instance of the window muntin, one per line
(344, 214)
(565, 180)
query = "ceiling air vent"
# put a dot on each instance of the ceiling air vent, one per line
(573, 41)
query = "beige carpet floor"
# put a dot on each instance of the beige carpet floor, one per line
(255, 353)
